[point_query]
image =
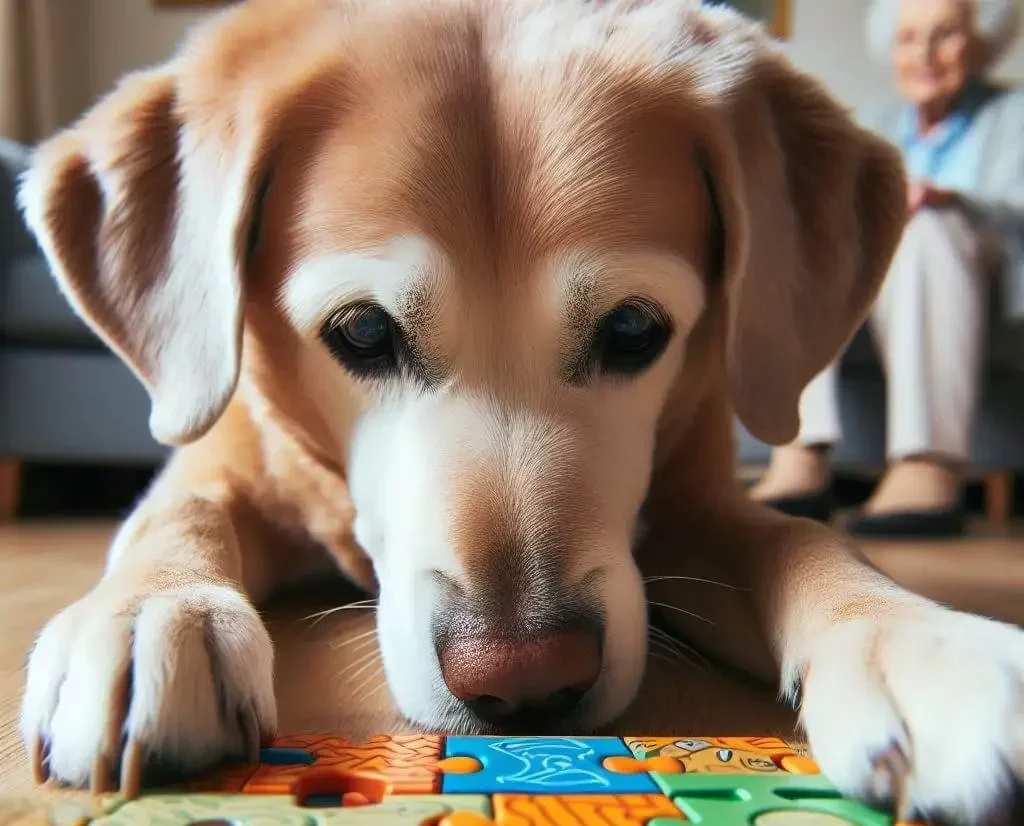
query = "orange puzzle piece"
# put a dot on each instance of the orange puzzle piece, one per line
(408, 763)
(224, 781)
(582, 809)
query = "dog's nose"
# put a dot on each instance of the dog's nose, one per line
(545, 675)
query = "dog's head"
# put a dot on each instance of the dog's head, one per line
(475, 251)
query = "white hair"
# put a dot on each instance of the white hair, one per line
(996, 23)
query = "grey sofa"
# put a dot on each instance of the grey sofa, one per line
(998, 452)
(998, 433)
(63, 396)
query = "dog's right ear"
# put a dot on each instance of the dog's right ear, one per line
(144, 221)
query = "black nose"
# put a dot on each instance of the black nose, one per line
(505, 680)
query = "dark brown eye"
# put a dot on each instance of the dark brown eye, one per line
(364, 338)
(631, 337)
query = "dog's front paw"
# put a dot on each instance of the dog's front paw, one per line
(926, 711)
(179, 678)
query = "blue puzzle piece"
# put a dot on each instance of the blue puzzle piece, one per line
(542, 765)
(276, 756)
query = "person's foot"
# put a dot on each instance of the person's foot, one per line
(913, 486)
(797, 482)
(796, 471)
(917, 498)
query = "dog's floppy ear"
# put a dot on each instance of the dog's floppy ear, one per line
(812, 207)
(144, 220)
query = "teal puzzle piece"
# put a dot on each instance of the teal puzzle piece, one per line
(542, 765)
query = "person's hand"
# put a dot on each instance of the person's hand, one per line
(924, 194)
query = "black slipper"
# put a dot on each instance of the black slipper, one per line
(933, 524)
(818, 506)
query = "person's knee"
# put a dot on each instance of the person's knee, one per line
(936, 231)
(928, 225)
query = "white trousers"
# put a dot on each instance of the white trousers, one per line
(929, 326)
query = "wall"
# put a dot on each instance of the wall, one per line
(122, 35)
(828, 40)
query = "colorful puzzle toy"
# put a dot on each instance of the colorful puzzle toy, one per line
(325, 780)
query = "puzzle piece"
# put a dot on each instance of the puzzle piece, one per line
(229, 778)
(280, 810)
(790, 818)
(743, 800)
(583, 810)
(408, 763)
(724, 755)
(459, 765)
(43, 809)
(535, 765)
(323, 780)
(633, 765)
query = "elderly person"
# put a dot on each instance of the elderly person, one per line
(962, 139)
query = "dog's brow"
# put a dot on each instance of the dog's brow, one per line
(579, 324)
(416, 306)
(322, 284)
(591, 283)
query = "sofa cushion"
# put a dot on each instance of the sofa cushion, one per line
(15, 239)
(33, 310)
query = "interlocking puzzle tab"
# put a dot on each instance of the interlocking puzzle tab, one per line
(327, 780)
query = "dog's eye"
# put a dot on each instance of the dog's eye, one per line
(631, 337)
(363, 338)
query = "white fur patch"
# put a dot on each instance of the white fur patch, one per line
(320, 285)
(943, 687)
(189, 650)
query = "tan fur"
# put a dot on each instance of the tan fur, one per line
(455, 121)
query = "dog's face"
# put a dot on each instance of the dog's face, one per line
(514, 335)
(481, 244)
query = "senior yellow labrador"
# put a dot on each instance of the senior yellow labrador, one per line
(461, 297)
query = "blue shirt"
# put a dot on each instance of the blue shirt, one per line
(950, 155)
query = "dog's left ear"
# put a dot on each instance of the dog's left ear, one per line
(812, 207)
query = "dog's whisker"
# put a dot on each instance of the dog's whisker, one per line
(357, 664)
(681, 611)
(654, 655)
(665, 647)
(688, 650)
(361, 663)
(656, 634)
(371, 659)
(358, 690)
(362, 605)
(651, 579)
(360, 648)
(682, 654)
(688, 653)
(358, 641)
(381, 677)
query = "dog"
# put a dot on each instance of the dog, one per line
(460, 298)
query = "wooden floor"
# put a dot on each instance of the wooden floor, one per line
(43, 568)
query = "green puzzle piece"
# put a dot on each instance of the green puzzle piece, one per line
(738, 800)
(280, 810)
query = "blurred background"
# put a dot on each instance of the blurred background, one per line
(74, 441)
